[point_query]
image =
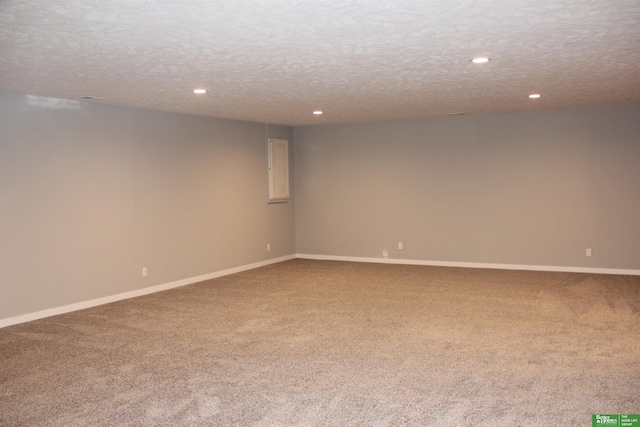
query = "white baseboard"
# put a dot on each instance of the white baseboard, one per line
(473, 265)
(139, 292)
(158, 288)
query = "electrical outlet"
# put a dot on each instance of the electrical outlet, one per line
(589, 252)
(399, 245)
(268, 247)
(385, 254)
(144, 271)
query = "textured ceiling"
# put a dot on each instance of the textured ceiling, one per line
(276, 61)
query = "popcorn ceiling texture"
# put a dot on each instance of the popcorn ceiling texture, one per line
(358, 60)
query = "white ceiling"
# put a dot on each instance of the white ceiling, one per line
(276, 61)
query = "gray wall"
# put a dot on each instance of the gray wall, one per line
(527, 189)
(90, 194)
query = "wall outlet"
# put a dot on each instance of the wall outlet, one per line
(589, 252)
(385, 254)
(399, 245)
(144, 271)
(268, 247)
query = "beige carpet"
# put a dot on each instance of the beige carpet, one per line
(319, 343)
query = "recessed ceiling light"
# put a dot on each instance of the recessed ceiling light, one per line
(480, 60)
(317, 112)
(534, 96)
(199, 91)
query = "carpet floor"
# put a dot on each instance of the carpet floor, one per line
(324, 343)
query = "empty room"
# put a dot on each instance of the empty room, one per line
(339, 213)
